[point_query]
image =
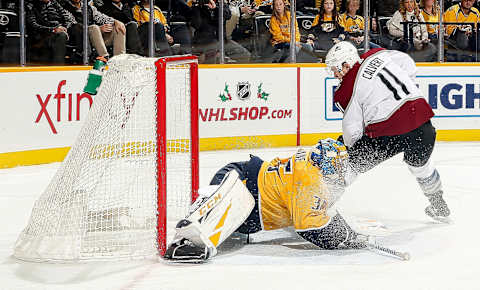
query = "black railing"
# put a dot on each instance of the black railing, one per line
(22, 42)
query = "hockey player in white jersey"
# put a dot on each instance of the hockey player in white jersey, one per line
(384, 114)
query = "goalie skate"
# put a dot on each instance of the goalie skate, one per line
(184, 251)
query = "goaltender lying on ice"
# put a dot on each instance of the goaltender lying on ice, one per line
(254, 195)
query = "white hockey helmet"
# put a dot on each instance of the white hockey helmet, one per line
(340, 53)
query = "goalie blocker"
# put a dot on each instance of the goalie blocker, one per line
(254, 195)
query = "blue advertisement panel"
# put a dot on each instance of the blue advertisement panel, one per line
(451, 96)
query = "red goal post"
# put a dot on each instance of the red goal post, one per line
(162, 65)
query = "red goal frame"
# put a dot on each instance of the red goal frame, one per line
(161, 65)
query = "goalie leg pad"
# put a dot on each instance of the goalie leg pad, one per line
(215, 218)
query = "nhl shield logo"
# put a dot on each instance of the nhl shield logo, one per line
(243, 90)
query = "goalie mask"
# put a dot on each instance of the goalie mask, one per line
(331, 157)
(340, 53)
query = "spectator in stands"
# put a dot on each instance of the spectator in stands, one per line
(234, 51)
(141, 13)
(49, 28)
(280, 30)
(343, 7)
(409, 11)
(241, 23)
(102, 29)
(462, 36)
(354, 24)
(234, 21)
(205, 39)
(280, 26)
(122, 12)
(205, 23)
(327, 27)
(430, 12)
(180, 17)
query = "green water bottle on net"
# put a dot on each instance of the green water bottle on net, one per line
(95, 76)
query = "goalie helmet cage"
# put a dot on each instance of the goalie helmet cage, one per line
(132, 170)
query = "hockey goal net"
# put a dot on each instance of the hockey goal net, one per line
(134, 163)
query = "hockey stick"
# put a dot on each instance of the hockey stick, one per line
(405, 256)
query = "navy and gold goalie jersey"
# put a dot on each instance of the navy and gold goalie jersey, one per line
(299, 191)
(294, 192)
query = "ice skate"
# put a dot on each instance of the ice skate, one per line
(438, 209)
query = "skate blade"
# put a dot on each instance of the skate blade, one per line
(185, 261)
(445, 220)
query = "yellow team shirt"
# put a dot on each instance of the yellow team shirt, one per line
(455, 14)
(280, 29)
(352, 24)
(292, 193)
(142, 15)
(431, 28)
(329, 26)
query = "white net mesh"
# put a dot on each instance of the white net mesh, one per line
(102, 202)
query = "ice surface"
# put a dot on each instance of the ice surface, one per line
(442, 256)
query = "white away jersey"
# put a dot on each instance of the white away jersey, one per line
(382, 87)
